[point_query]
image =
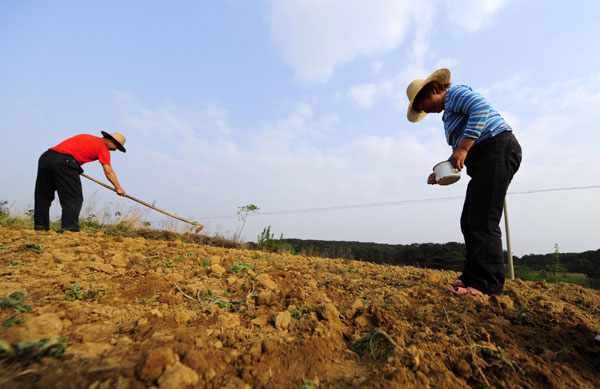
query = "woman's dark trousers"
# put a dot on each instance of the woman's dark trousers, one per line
(58, 172)
(491, 164)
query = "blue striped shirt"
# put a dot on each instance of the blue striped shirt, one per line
(468, 114)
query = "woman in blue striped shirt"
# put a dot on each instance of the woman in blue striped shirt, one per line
(483, 142)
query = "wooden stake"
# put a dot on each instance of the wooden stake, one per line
(511, 268)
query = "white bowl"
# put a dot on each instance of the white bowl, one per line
(445, 173)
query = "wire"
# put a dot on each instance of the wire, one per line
(389, 203)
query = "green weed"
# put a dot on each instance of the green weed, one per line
(206, 262)
(523, 314)
(12, 320)
(377, 342)
(242, 267)
(36, 248)
(27, 352)
(296, 313)
(497, 358)
(16, 302)
(75, 292)
(308, 384)
(219, 301)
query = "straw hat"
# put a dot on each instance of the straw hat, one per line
(117, 138)
(441, 75)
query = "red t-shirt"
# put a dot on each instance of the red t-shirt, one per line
(85, 148)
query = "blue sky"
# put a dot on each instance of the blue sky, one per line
(295, 105)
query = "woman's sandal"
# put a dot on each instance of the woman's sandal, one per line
(458, 284)
(460, 291)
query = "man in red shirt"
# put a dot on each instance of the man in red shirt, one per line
(59, 169)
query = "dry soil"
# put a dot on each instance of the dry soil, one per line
(175, 315)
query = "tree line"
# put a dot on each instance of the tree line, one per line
(443, 256)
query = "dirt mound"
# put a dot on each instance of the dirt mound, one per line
(137, 313)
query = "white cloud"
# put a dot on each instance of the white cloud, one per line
(364, 95)
(317, 36)
(280, 166)
(377, 66)
(447, 62)
(472, 15)
(167, 119)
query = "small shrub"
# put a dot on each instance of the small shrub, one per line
(206, 262)
(296, 313)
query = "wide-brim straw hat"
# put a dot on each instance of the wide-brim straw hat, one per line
(441, 75)
(117, 138)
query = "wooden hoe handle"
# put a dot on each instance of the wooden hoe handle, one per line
(200, 226)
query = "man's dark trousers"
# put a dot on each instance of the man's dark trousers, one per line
(491, 164)
(58, 172)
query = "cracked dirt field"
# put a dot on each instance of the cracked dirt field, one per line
(147, 313)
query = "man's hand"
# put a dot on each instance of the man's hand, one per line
(431, 180)
(112, 177)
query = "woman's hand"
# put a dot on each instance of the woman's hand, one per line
(460, 154)
(431, 179)
(458, 158)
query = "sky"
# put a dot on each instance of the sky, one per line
(299, 107)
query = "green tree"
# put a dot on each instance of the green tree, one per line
(555, 267)
(242, 213)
